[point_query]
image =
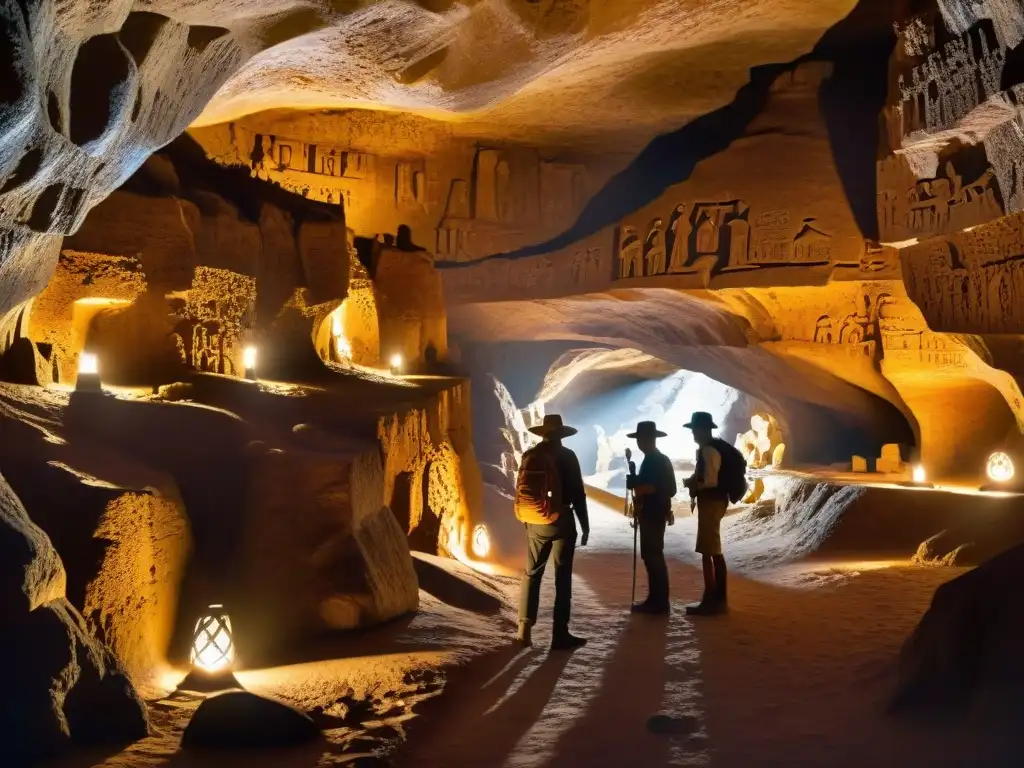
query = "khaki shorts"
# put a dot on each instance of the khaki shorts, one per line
(710, 512)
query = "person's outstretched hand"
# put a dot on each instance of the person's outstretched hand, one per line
(584, 538)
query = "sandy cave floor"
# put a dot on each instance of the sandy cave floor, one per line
(797, 674)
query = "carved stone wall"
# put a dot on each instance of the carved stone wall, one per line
(769, 210)
(461, 199)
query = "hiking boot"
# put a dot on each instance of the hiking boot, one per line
(567, 642)
(706, 608)
(523, 635)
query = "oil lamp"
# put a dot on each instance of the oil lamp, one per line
(249, 362)
(88, 373)
(396, 364)
(999, 467)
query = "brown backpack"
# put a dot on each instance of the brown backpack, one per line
(538, 487)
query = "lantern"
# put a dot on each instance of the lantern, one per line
(919, 474)
(213, 650)
(396, 364)
(249, 362)
(481, 541)
(88, 373)
(88, 363)
(999, 467)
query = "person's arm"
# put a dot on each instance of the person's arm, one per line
(643, 485)
(579, 500)
(712, 466)
(670, 478)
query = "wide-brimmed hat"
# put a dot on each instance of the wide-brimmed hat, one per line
(553, 427)
(701, 419)
(646, 429)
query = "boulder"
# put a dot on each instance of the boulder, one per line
(967, 645)
(63, 686)
(320, 550)
(125, 550)
(31, 573)
(243, 720)
(22, 363)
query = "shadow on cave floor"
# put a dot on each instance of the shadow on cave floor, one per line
(858, 47)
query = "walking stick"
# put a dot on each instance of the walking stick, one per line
(629, 493)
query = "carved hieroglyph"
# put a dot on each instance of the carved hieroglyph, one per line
(971, 282)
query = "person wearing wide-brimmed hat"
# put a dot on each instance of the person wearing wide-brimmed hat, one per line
(654, 486)
(712, 504)
(549, 490)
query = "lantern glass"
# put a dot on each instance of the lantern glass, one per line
(88, 363)
(919, 474)
(249, 358)
(481, 541)
(213, 648)
(1000, 467)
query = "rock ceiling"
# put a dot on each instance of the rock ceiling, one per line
(609, 73)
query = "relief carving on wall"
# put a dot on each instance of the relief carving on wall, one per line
(971, 282)
(713, 237)
(910, 208)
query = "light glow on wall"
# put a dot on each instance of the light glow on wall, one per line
(999, 467)
(342, 347)
(481, 542)
(88, 363)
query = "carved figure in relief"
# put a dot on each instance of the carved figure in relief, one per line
(631, 255)
(579, 266)
(654, 249)
(811, 245)
(678, 239)
(720, 230)
(824, 331)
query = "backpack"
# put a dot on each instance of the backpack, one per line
(732, 477)
(538, 487)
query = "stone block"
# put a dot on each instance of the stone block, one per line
(859, 464)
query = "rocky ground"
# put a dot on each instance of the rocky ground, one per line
(801, 672)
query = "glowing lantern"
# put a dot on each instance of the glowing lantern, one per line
(88, 373)
(249, 362)
(213, 649)
(396, 364)
(999, 467)
(481, 541)
(919, 474)
(88, 363)
(341, 346)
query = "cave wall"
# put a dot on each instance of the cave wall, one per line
(460, 197)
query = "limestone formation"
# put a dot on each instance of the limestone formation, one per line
(33, 572)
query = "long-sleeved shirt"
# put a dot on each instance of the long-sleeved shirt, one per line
(656, 470)
(574, 493)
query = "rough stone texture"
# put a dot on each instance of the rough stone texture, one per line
(22, 363)
(431, 480)
(64, 687)
(319, 550)
(32, 571)
(965, 652)
(75, 130)
(413, 321)
(575, 72)
(243, 720)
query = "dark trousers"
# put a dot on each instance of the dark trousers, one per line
(557, 541)
(652, 552)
